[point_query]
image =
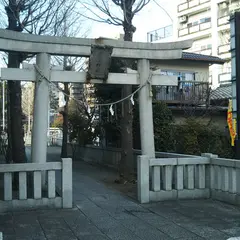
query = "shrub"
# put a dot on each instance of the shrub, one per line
(195, 138)
(163, 124)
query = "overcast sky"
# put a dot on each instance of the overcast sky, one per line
(150, 18)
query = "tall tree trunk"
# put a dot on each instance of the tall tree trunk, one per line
(64, 152)
(126, 162)
(17, 132)
(9, 146)
(15, 126)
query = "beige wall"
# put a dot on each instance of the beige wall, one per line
(201, 69)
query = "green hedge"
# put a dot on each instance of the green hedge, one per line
(196, 138)
(192, 137)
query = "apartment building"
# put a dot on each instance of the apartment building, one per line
(207, 23)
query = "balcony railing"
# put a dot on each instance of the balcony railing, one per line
(224, 51)
(194, 29)
(190, 4)
(224, 78)
(160, 33)
(186, 92)
(204, 51)
(223, 20)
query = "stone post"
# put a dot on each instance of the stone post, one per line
(146, 120)
(143, 178)
(67, 183)
(40, 113)
(210, 171)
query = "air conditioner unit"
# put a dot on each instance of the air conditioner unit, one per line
(183, 19)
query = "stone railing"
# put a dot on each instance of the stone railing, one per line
(173, 178)
(103, 156)
(32, 193)
(189, 178)
(225, 180)
(111, 156)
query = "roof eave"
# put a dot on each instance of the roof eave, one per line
(204, 61)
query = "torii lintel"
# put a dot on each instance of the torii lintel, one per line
(29, 43)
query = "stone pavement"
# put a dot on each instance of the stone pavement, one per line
(102, 213)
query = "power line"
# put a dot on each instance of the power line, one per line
(98, 104)
(163, 10)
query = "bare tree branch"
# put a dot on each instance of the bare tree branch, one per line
(37, 16)
(110, 20)
(128, 8)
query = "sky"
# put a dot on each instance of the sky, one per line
(151, 17)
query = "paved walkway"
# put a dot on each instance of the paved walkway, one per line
(102, 213)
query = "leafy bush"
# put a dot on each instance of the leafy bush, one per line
(80, 124)
(163, 124)
(195, 138)
(58, 122)
(192, 137)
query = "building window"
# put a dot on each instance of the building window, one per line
(192, 24)
(202, 20)
(209, 46)
(195, 23)
(205, 20)
(205, 47)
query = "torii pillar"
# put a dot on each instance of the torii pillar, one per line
(40, 113)
(146, 119)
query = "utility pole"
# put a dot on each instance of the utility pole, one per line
(49, 109)
(64, 152)
(3, 105)
(235, 55)
(29, 111)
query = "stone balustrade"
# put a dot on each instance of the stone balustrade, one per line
(175, 176)
(110, 156)
(189, 178)
(33, 191)
(225, 180)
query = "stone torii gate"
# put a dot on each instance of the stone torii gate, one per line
(45, 46)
